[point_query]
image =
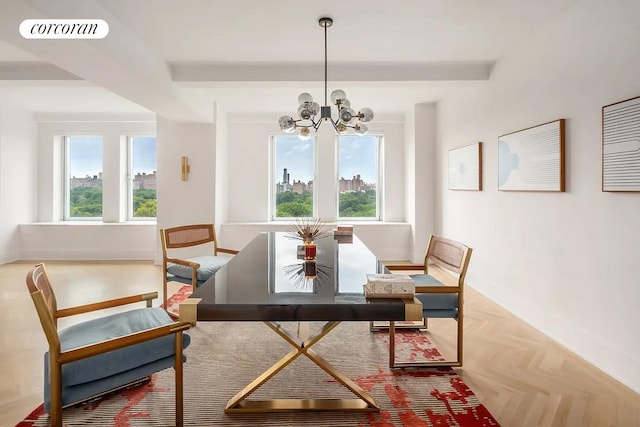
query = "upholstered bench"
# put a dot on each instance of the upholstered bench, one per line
(85, 378)
(208, 265)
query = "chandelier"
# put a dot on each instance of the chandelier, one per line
(308, 110)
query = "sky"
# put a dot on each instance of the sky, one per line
(85, 155)
(358, 155)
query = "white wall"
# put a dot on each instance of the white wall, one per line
(247, 160)
(564, 262)
(420, 177)
(17, 177)
(47, 236)
(192, 201)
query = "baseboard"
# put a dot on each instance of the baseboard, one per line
(88, 255)
(6, 257)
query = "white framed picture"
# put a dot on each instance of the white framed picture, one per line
(532, 159)
(465, 167)
(621, 146)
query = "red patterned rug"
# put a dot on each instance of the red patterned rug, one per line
(173, 302)
(224, 357)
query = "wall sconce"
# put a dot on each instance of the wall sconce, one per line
(185, 168)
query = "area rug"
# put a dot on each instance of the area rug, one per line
(173, 302)
(225, 356)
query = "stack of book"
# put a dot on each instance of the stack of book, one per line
(343, 233)
(389, 286)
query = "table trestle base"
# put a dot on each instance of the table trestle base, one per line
(239, 403)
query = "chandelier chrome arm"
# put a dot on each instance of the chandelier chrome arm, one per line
(309, 110)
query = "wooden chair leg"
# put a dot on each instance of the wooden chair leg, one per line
(179, 380)
(460, 340)
(55, 384)
(164, 291)
(392, 344)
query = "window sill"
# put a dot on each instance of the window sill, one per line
(92, 223)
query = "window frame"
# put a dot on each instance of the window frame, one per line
(273, 180)
(66, 178)
(379, 180)
(130, 176)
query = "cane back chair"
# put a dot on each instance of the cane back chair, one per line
(95, 357)
(438, 300)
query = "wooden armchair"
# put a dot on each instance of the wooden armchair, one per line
(91, 358)
(194, 270)
(438, 300)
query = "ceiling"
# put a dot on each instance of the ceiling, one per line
(178, 58)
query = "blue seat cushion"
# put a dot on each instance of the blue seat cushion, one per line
(80, 392)
(208, 267)
(121, 360)
(436, 305)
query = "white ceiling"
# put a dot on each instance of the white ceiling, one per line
(131, 69)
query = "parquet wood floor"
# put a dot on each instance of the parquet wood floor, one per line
(522, 377)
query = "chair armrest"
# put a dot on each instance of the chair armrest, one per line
(437, 289)
(392, 267)
(116, 343)
(183, 262)
(71, 311)
(227, 251)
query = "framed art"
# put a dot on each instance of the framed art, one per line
(621, 146)
(465, 167)
(532, 159)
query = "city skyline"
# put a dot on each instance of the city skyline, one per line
(86, 155)
(358, 156)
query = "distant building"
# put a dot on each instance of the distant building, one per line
(301, 187)
(295, 187)
(144, 181)
(94, 181)
(354, 184)
(141, 181)
(344, 185)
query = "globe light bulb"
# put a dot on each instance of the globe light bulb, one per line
(365, 115)
(304, 112)
(304, 134)
(361, 129)
(287, 124)
(338, 95)
(346, 114)
(305, 97)
(342, 129)
(314, 108)
(345, 103)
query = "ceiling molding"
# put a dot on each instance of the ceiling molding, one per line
(246, 72)
(95, 117)
(33, 71)
(234, 117)
(122, 63)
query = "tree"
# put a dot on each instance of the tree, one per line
(146, 209)
(144, 203)
(290, 204)
(85, 202)
(358, 204)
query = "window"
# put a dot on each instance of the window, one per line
(142, 178)
(292, 177)
(358, 160)
(83, 177)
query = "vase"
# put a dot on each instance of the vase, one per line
(310, 250)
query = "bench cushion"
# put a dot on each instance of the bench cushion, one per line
(208, 267)
(117, 361)
(436, 305)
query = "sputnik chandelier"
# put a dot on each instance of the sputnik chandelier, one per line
(308, 109)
